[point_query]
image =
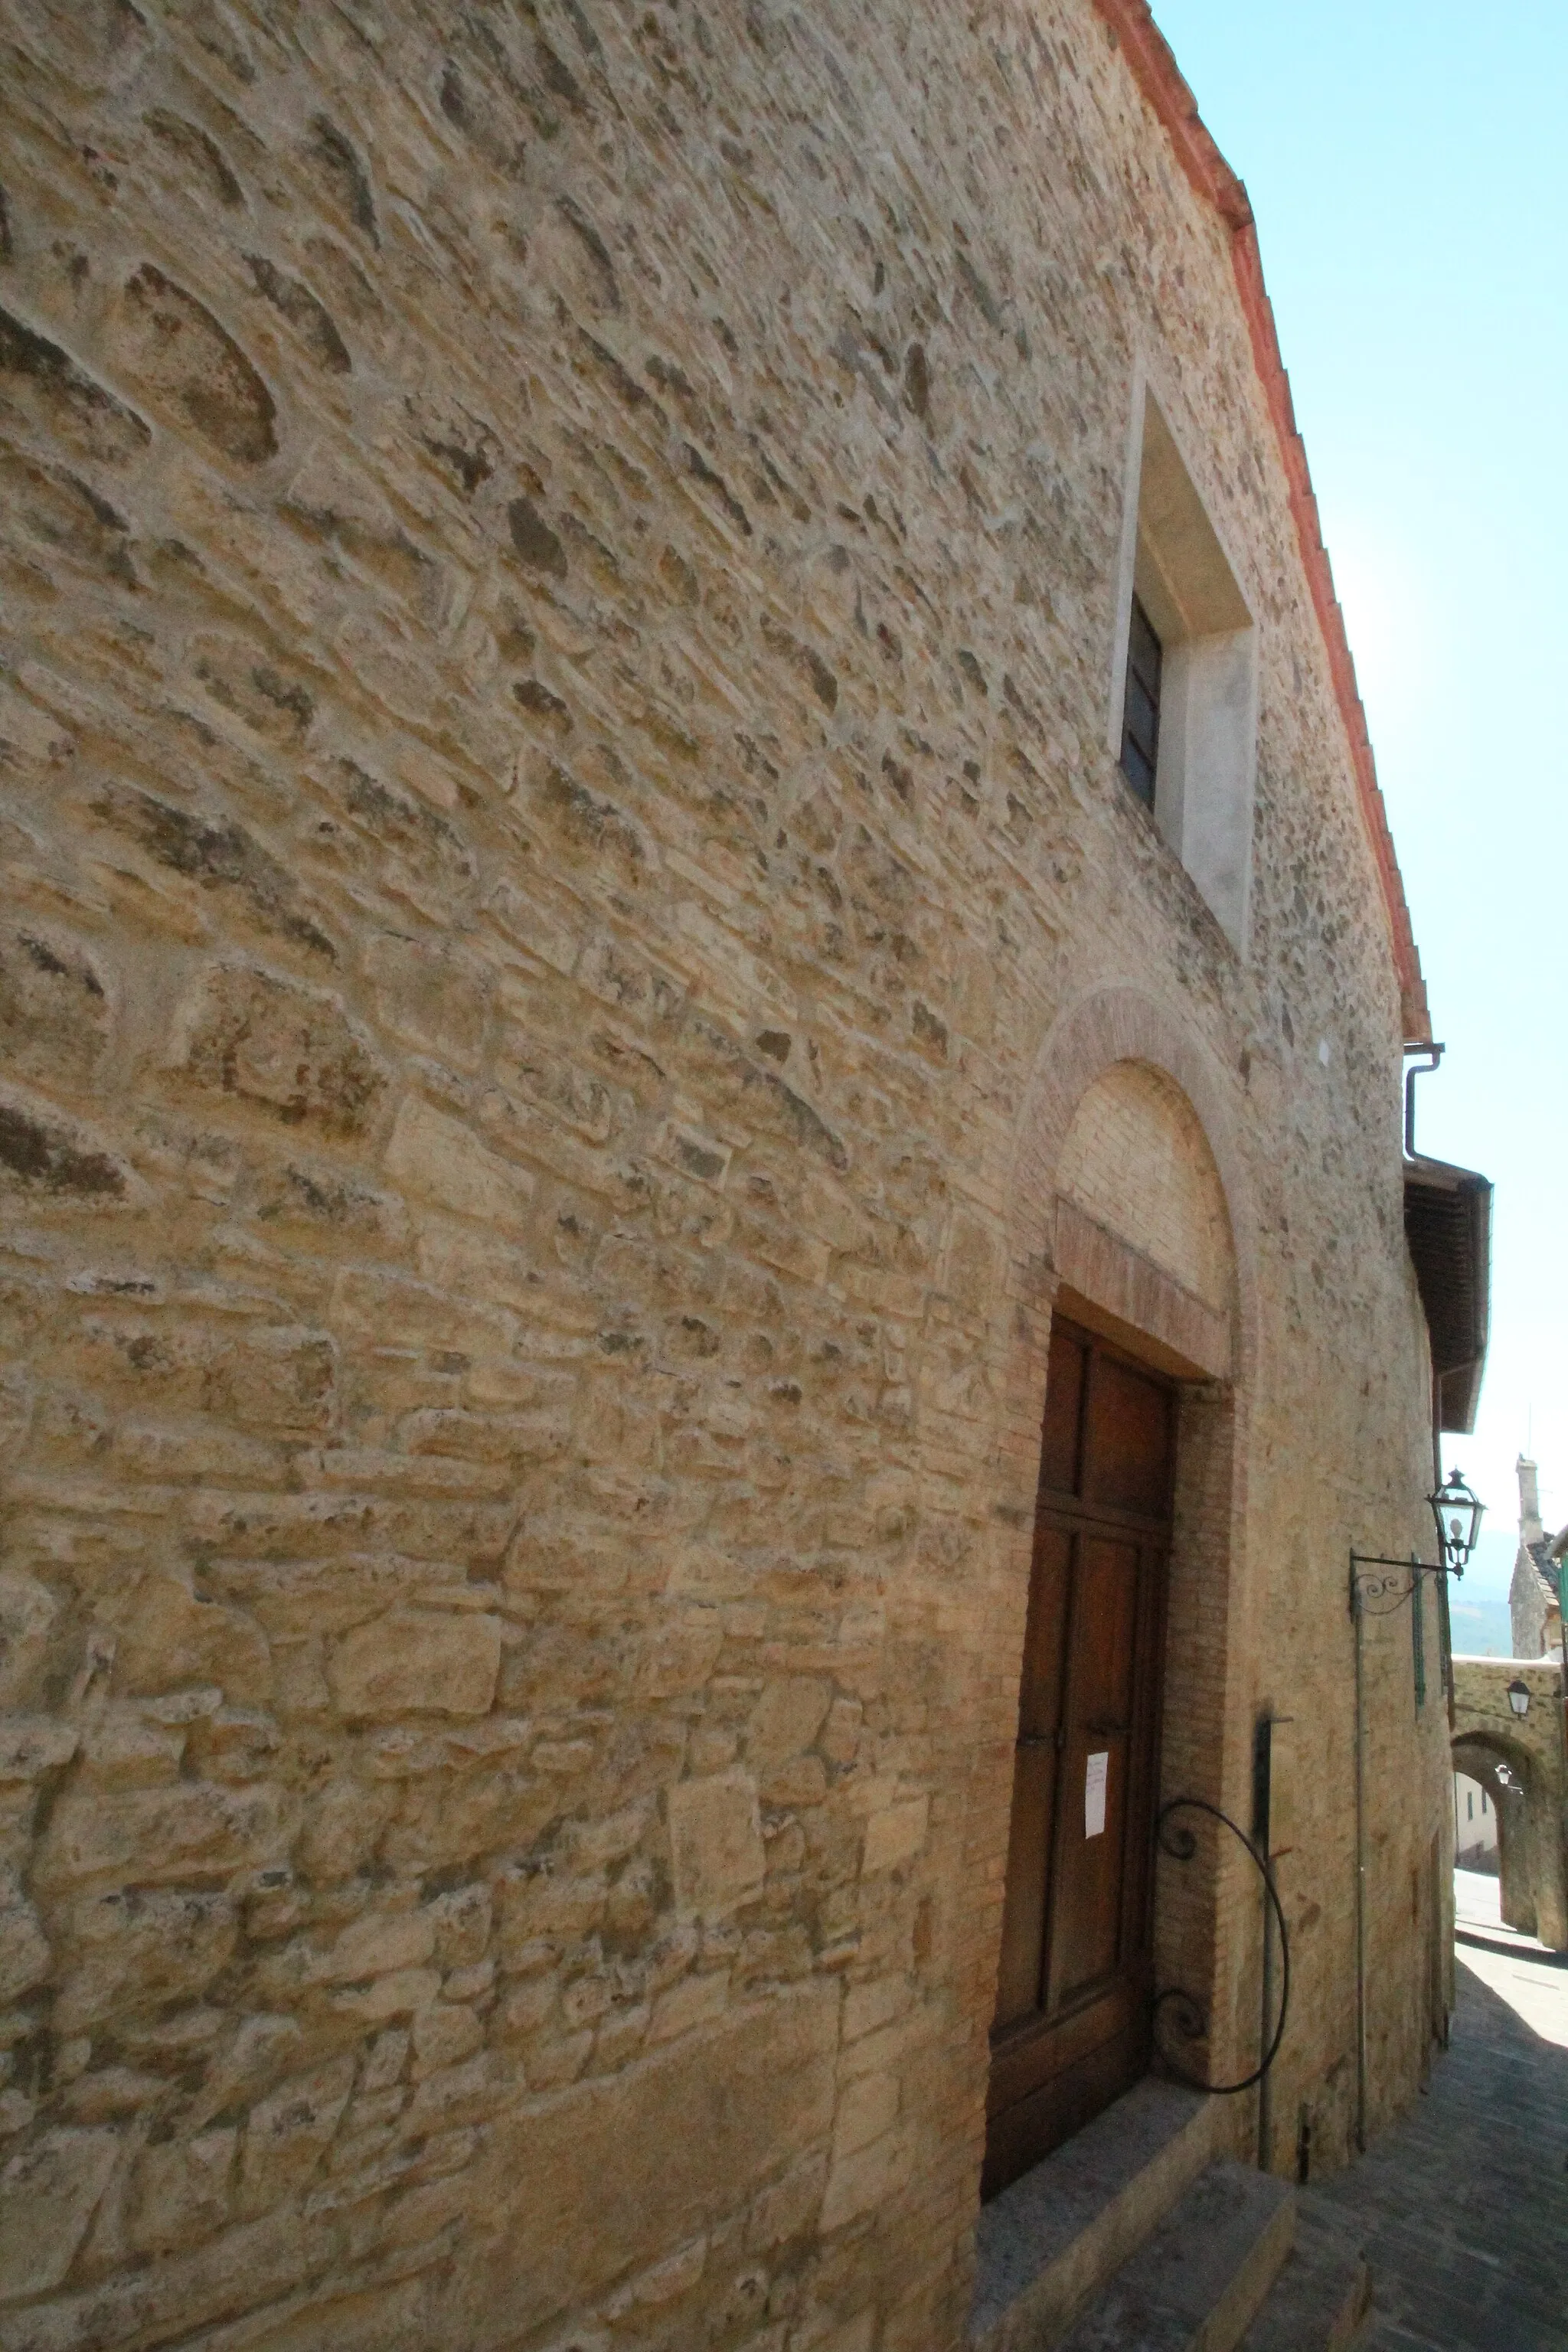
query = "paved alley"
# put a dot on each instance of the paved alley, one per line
(1465, 2202)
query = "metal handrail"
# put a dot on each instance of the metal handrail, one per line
(1193, 2019)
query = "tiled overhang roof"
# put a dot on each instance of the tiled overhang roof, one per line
(1448, 1226)
(1159, 77)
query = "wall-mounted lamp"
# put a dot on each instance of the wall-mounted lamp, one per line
(1518, 1696)
(1459, 1516)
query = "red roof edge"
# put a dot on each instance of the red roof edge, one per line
(1159, 77)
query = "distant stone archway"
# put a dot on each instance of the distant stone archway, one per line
(1506, 1777)
(1520, 1762)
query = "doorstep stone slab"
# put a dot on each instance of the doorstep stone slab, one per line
(1321, 2299)
(1046, 2245)
(1197, 2284)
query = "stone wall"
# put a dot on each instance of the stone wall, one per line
(1529, 1792)
(558, 576)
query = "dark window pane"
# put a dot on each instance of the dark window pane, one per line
(1139, 772)
(1141, 714)
(1142, 717)
(1143, 643)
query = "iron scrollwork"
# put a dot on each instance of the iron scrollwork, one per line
(1188, 2014)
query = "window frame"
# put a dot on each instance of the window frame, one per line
(1175, 564)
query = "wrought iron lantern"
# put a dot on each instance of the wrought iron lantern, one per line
(1459, 1516)
(1518, 1696)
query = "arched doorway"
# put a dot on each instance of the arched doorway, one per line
(1128, 1559)
(1528, 1835)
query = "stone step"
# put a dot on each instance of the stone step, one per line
(1197, 2284)
(1046, 2246)
(1321, 2299)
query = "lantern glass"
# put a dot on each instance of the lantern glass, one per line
(1459, 1516)
(1518, 1696)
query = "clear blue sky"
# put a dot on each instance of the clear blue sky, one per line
(1409, 166)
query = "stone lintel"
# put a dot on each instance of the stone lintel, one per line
(1125, 1295)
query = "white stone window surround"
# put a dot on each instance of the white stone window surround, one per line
(1172, 556)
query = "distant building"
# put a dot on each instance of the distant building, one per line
(1534, 1603)
(1474, 1827)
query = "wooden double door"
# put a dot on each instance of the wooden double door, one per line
(1075, 1989)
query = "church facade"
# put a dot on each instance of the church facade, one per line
(702, 994)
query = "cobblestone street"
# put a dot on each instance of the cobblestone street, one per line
(1465, 2202)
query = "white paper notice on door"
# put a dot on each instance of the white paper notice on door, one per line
(1094, 1780)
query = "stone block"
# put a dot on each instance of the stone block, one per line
(46, 1157)
(716, 1841)
(341, 1828)
(188, 364)
(138, 1947)
(444, 2035)
(416, 1662)
(23, 1951)
(245, 2268)
(866, 2110)
(786, 1719)
(162, 1835)
(455, 2095)
(402, 1994)
(54, 1007)
(182, 2192)
(896, 1834)
(48, 2193)
(430, 998)
(439, 1158)
(862, 2179)
(168, 1636)
(679, 2138)
(27, 1614)
(33, 1745)
(381, 1944)
(287, 2135)
(271, 1041)
(787, 2207)
(462, 1922)
(682, 1652)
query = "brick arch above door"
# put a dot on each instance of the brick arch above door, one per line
(1110, 1028)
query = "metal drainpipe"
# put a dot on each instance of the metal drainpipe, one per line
(1262, 1807)
(1360, 1879)
(1563, 1630)
(1417, 1070)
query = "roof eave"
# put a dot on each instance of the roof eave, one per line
(1447, 1224)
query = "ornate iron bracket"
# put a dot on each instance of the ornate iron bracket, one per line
(1189, 2016)
(1381, 1596)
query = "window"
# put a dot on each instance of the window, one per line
(1483, 1801)
(1184, 712)
(1470, 1804)
(1141, 712)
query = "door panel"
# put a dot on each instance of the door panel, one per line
(1061, 1425)
(1035, 1776)
(1089, 1870)
(1071, 2029)
(1127, 1462)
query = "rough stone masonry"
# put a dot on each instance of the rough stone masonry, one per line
(558, 580)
